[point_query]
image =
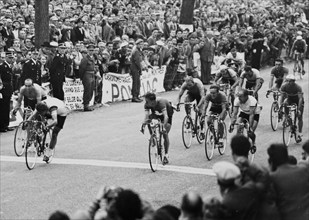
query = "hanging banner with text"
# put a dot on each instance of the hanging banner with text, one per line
(117, 87)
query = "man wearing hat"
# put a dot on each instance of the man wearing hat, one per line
(87, 75)
(58, 69)
(6, 91)
(32, 69)
(78, 32)
(136, 70)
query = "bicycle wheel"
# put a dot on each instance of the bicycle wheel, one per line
(153, 153)
(200, 130)
(230, 105)
(31, 154)
(287, 132)
(209, 144)
(187, 131)
(223, 141)
(274, 116)
(20, 139)
(46, 146)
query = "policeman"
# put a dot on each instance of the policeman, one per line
(32, 69)
(6, 91)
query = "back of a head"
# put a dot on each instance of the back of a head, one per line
(162, 214)
(306, 146)
(58, 215)
(173, 211)
(128, 205)
(41, 107)
(240, 145)
(278, 155)
(192, 205)
(292, 160)
(151, 96)
(189, 79)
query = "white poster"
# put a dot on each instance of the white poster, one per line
(117, 87)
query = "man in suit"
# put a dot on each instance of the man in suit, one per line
(87, 75)
(57, 71)
(78, 32)
(32, 69)
(291, 183)
(136, 70)
(6, 90)
(206, 50)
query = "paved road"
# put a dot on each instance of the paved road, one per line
(105, 147)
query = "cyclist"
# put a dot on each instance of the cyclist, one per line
(195, 91)
(226, 75)
(299, 48)
(254, 81)
(218, 106)
(31, 93)
(292, 94)
(55, 110)
(249, 110)
(162, 109)
(234, 57)
(279, 73)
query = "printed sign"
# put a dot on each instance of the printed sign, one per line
(117, 87)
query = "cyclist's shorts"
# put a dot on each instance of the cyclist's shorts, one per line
(246, 116)
(30, 103)
(278, 82)
(229, 81)
(250, 85)
(216, 109)
(291, 101)
(60, 121)
(193, 97)
(161, 117)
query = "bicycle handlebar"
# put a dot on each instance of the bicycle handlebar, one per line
(272, 91)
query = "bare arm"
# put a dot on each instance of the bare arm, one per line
(251, 117)
(182, 90)
(271, 82)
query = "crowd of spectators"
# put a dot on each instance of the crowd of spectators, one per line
(260, 30)
(248, 192)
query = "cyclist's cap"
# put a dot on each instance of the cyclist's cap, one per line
(226, 172)
(290, 77)
(223, 67)
(299, 33)
(299, 37)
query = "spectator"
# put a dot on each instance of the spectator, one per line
(191, 207)
(136, 70)
(290, 183)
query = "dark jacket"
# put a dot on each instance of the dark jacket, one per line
(86, 65)
(32, 70)
(6, 76)
(136, 60)
(58, 68)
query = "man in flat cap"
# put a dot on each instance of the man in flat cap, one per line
(6, 91)
(136, 70)
(87, 75)
(58, 70)
(78, 32)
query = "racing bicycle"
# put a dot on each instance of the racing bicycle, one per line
(245, 129)
(289, 125)
(213, 138)
(226, 88)
(192, 127)
(156, 151)
(37, 141)
(276, 113)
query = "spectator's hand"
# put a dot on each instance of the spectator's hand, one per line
(231, 128)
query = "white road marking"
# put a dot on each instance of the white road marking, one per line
(106, 163)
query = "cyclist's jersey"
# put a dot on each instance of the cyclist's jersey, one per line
(194, 90)
(245, 107)
(251, 79)
(279, 72)
(299, 45)
(161, 105)
(218, 101)
(291, 90)
(54, 103)
(227, 75)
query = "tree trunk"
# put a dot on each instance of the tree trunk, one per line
(41, 23)
(186, 13)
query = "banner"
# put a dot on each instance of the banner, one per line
(73, 93)
(117, 87)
